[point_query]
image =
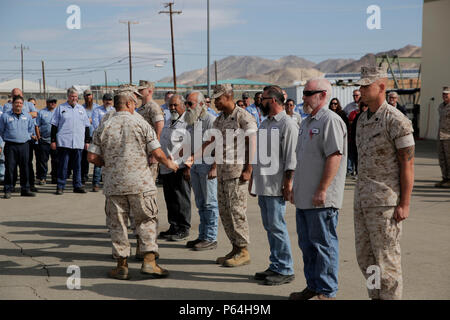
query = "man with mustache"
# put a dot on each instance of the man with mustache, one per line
(176, 185)
(202, 175)
(272, 183)
(319, 190)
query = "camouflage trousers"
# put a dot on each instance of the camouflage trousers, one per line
(444, 158)
(154, 168)
(232, 200)
(377, 241)
(144, 210)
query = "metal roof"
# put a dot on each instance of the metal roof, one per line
(235, 82)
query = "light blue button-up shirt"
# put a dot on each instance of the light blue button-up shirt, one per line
(255, 112)
(211, 111)
(98, 114)
(16, 128)
(89, 113)
(43, 121)
(71, 123)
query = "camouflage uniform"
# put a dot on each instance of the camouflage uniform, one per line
(124, 142)
(377, 193)
(444, 140)
(232, 194)
(152, 113)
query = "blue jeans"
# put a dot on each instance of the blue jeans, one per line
(205, 192)
(273, 210)
(317, 238)
(350, 165)
(2, 162)
(68, 156)
(97, 176)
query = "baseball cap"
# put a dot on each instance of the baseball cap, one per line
(221, 89)
(371, 74)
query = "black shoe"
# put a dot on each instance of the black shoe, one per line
(33, 189)
(41, 182)
(59, 192)
(166, 234)
(191, 244)
(306, 294)
(79, 190)
(278, 279)
(205, 245)
(27, 193)
(263, 275)
(179, 236)
(54, 181)
(7, 195)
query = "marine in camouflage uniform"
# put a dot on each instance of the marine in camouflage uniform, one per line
(123, 146)
(153, 114)
(444, 139)
(231, 188)
(379, 137)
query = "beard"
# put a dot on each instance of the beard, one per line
(192, 115)
(307, 109)
(264, 109)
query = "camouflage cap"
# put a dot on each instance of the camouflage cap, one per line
(446, 90)
(371, 74)
(221, 89)
(144, 84)
(87, 92)
(127, 88)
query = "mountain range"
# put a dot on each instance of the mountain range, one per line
(286, 70)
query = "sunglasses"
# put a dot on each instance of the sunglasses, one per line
(189, 103)
(308, 93)
(335, 103)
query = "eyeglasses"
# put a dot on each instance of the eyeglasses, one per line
(308, 93)
(174, 104)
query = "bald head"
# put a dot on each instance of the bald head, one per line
(16, 92)
(316, 94)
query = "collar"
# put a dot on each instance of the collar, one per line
(179, 120)
(278, 116)
(319, 113)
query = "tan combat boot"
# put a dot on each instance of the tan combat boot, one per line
(241, 258)
(150, 267)
(229, 255)
(121, 271)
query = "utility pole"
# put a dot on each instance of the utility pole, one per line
(208, 45)
(129, 46)
(215, 70)
(106, 82)
(171, 12)
(21, 58)
(43, 78)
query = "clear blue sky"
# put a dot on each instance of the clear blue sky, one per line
(316, 30)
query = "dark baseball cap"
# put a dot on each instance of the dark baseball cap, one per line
(52, 99)
(107, 96)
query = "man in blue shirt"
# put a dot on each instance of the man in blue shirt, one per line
(43, 122)
(97, 116)
(28, 107)
(70, 135)
(254, 108)
(16, 129)
(208, 105)
(89, 105)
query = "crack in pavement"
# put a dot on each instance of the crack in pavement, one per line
(44, 266)
(34, 290)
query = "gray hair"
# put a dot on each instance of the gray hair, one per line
(393, 94)
(71, 91)
(200, 96)
(323, 84)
